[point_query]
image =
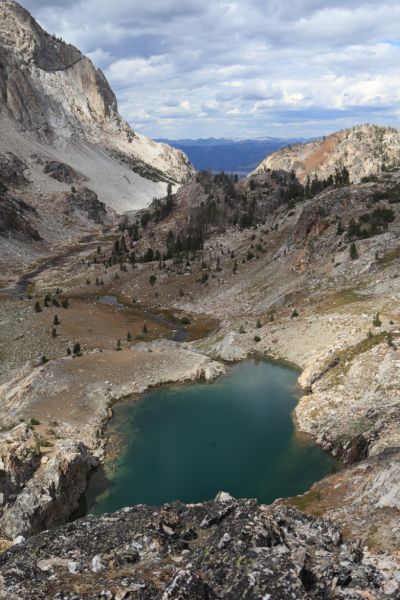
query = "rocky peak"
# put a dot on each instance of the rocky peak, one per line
(52, 94)
(30, 53)
(363, 150)
(22, 36)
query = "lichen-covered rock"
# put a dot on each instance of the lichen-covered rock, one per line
(224, 549)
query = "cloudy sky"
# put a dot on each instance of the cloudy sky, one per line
(251, 68)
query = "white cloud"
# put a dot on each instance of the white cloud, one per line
(248, 67)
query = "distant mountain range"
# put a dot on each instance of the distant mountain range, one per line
(229, 155)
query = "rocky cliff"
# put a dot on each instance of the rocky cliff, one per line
(363, 150)
(55, 102)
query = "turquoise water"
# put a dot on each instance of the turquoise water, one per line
(189, 442)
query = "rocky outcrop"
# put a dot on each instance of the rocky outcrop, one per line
(62, 172)
(85, 201)
(363, 499)
(16, 218)
(222, 549)
(44, 468)
(40, 482)
(353, 403)
(364, 150)
(12, 170)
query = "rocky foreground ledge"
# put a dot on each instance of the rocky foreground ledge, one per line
(227, 549)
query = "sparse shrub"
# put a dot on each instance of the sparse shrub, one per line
(129, 337)
(54, 332)
(294, 314)
(242, 329)
(44, 359)
(56, 320)
(65, 303)
(145, 329)
(41, 442)
(34, 422)
(185, 321)
(257, 338)
(152, 280)
(390, 341)
(38, 308)
(376, 321)
(119, 346)
(77, 349)
(259, 324)
(69, 351)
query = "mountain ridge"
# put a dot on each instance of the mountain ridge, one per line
(364, 150)
(53, 96)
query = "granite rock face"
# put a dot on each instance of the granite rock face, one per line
(53, 95)
(223, 549)
(39, 489)
(363, 150)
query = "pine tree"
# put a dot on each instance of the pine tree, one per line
(38, 308)
(56, 320)
(353, 251)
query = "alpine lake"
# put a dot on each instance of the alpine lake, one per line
(188, 442)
